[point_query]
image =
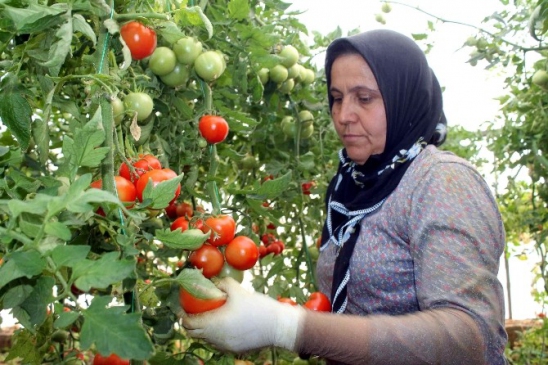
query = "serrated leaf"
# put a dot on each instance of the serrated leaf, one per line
(162, 193)
(38, 205)
(36, 303)
(16, 113)
(101, 273)
(85, 150)
(34, 18)
(238, 9)
(79, 24)
(193, 281)
(59, 50)
(16, 296)
(21, 264)
(58, 230)
(69, 255)
(270, 189)
(191, 239)
(24, 348)
(114, 331)
(65, 319)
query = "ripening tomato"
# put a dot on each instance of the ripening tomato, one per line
(208, 258)
(222, 227)
(124, 188)
(318, 301)
(156, 176)
(193, 305)
(213, 128)
(242, 253)
(140, 39)
(287, 300)
(263, 251)
(306, 186)
(112, 359)
(143, 164)
(275, 248)
(181, 209)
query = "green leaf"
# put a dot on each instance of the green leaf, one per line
(170, 31)
(69, 255)
(24, 348)
(162, 193)
(85, 149)
(114, 331)
(198, 285)
(101, 273)
(65, 319)
(195, 16)
(35, 18)
(191, 239)
(38, 205)
(15, 113)
(58, 230)
(59, 50)
(21, 264)
(79, 24)
(36, 303)
(16, 296)
(270, 189)
(238, 9)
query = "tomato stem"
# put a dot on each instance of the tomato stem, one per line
(133, 16)
(212, 189)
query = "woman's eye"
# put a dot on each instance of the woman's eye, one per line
(364, 99)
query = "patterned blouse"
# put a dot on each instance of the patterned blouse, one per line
(435, 243)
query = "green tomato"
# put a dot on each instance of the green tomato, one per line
(178, 77)
(209, 65)
(386, 8)
(278, 74)
(289, 55)
(263, 75)
(140, 103)
(228, 270)
(117, 110)
(306, 132)
(307, 76)
(305, 115)
(162, 61)
(187, 49)
(286, 86)
(294, 71)
(248, 162)
(540, 78)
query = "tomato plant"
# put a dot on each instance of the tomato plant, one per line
(242, 253)
(318, 301)
(213, 128)
(141, 40)
(112, 359)
(222, 229)
(194, 305)
(209, 259)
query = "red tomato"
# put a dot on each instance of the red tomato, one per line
(144, 164)
(181, 209)
(306, 186)
(208, 258)
(157, 176)
(287, 300)
(112, 359)
(318, 301)
(193, 305)
(140, 39)
(180, 222)
(213, 128)
(223, 229)
(124, 188)
(242, 253)
(262, 251)
(275, 248)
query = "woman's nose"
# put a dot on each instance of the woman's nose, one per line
(347, 114)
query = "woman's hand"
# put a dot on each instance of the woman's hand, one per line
(247, 321)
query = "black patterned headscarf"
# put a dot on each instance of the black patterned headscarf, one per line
(413, 103)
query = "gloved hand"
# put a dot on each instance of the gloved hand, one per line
(247, 321)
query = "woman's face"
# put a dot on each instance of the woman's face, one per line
(358, 109)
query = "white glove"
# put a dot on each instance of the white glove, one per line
(247, 321)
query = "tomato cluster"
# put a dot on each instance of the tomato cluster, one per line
(112, 359)
(270, 244)
(131, 181)
(223, 254)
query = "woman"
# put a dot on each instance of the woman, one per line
(412, 240)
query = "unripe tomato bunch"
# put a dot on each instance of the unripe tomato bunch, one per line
(223, 254)
(288, 73)
(304, 124)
